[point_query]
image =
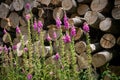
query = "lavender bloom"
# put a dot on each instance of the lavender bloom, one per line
(73, 31)
(48, 37)
(5, 49)
(28, 6)
(66, 38)
(58, 22)
(14, 47)
(35, 25)
(18, 30)
(4, 31)
(29, 77)
(57, 56)
(40, 25)
(54, 35)
(28, 16)
(86, 27)
(25, 49)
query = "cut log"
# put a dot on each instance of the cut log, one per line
(107, 41)
(118, 41)
(45, 2)
(117, 2)
(101, 58)
(41, 12)
(95, 47)
(82, 9)
(55, 2)
(68, 4)
(5, 23)
(80, 47)
(22, 21)
(8, 2)
(79, 33)
(109, 25)
(4, 10)
(82, 61)
(93, 18)
(18, 4)
(98, 5)
(75, 21)
(14, 19)
(116, 13)
(6, 38)
(58, 12)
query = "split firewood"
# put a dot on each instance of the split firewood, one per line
(109, 25)
(98, 5)
(101, 58)
(58, 12)
(40, 12)
(68, 4)
(80, 47)
(4, 10)
(107, 41)
(8, 2)
(82, 9)
(118, 41)
(55, 2)
(79, 33)
(6, 38)
(14, 19)
(45, 2)
(18, 4)
(93, 18)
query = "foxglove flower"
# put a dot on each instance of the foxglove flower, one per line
(65, 18)
(18, 30)
(14, 47)
(29, 77)
(54, 35)
(48, 37)
(86, 27)
(4, 31)
(40, 25)
(73, 31)
(28, 6)
(38, 30)
(28, 16)
(25, 49)
(66, 38)
(35, 25)
(5, 49)
(57, 56)
(66, 25)
(58, 22)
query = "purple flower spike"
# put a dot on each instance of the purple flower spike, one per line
(18, 30)
(67, 25)
(25, 49)
(28, 6)
(86, 27)
(73, 31)
(38, 30)
(48, 37)
(29, 77)
(65, 18)
(4, 31)
(57, 56)
(28, 16)
(54, 35)
(40, 25)
(5, 49)
(58, 22)
(35, 25)
(14, 47)
(66, 38)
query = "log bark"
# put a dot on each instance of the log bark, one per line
(4, 10)
(68, 4)
(93, 18)
(80, 47)
(58, 12)
(98, 5)
(18, 4)
(101, 58)
(109, 25)
(95, 47)
(107, 41)
(116, 13)
(82, 9)
(14, 19)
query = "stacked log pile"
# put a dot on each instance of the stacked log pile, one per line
(103, 17)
